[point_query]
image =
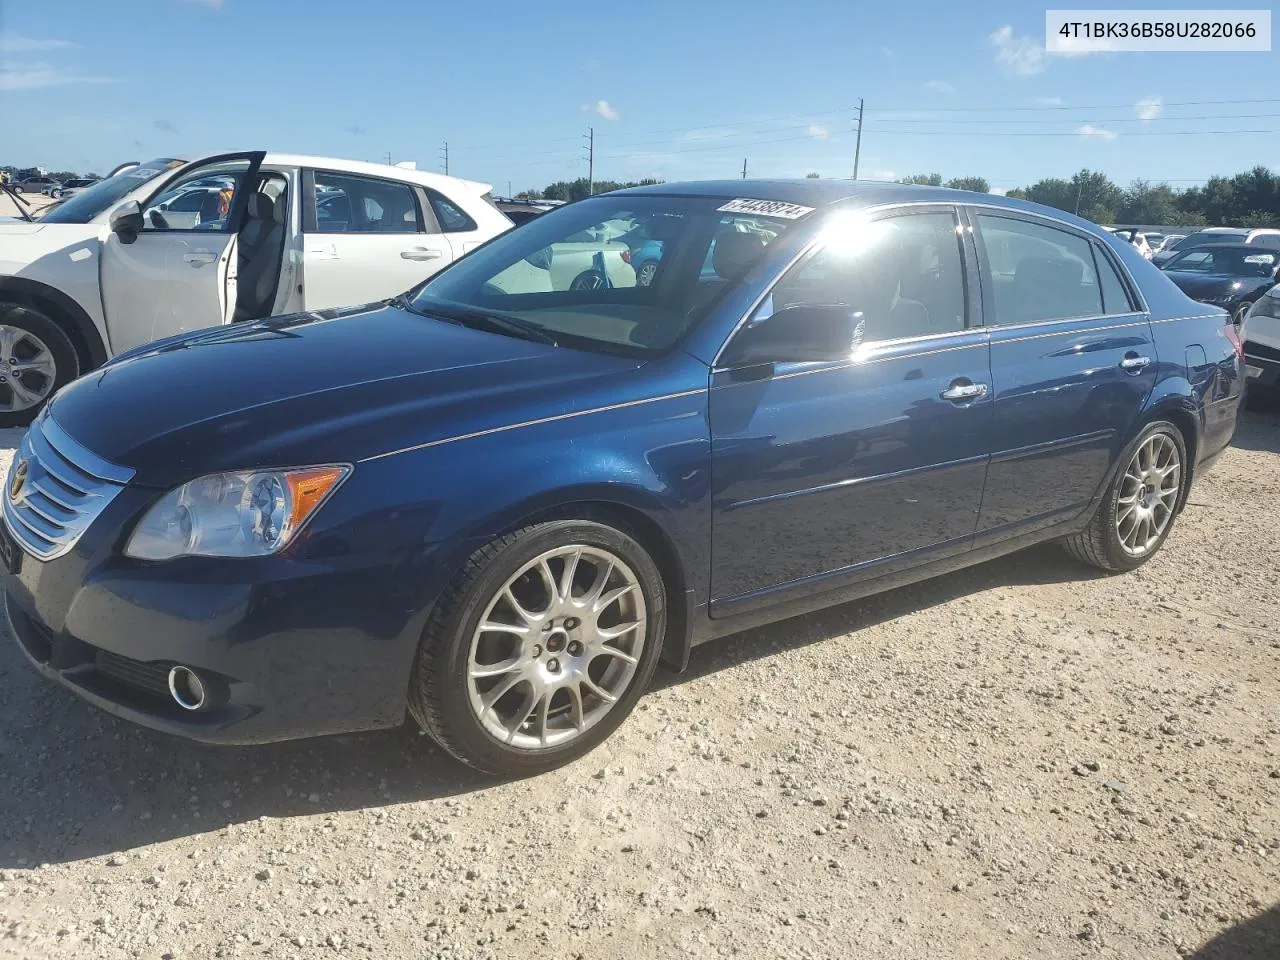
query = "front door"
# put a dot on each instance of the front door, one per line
(365, 239)
(178, 275)
(1072, 362)
(839, 471)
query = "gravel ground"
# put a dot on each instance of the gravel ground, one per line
(1023, 759)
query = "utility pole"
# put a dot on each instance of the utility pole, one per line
(388, 156)
(1079, 190)
(591, 160)
(445, 156)
(744, 168)
(508, 188)
(857, 148)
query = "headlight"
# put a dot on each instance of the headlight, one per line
(1267, 305)
(250, 514)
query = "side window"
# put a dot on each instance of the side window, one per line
(1115, 299)
(903, 276)
(453, 219)
(1270, 241)
(1038, 272)
(355, 204)
(199, 200)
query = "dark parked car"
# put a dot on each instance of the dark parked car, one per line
(500, 499)
(1262, 237)
(1231, 276)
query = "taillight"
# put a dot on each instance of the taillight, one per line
(626, 256)
(1233, 334)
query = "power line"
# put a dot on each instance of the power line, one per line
(1068, 106)
(1073, 133)
(1085, 119)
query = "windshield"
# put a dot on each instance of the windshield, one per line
(623, 274)
(83, 207)
(1231, 261)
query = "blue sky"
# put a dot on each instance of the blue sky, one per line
(674, 90)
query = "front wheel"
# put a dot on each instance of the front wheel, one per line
(540, 647)
(1140, 505)
(36, 359)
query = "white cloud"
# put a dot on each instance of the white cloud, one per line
(1026, 55)
(37, 76)
(602, 108)
(941, 86)
(818, 132)
(13, 43)
(1048, 101)
(1097, 133)
(999, 191)
(886, 175)
(1148, 108)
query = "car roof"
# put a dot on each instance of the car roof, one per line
(858, 193)
(1250, 248)
(341, 165)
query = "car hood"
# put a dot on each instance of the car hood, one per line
(1198, 285)
(337, 386)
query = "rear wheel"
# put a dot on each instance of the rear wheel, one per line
(588, 280)
(540, 648)
(646, 273)
(36, 359)
(1138, 510)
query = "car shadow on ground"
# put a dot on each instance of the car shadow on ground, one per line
(77, 783)
(1259, 429)
(1254, 939)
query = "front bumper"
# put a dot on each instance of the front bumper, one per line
(1262, 365)
(288, 649)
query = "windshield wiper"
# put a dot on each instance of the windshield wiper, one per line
(495, 321)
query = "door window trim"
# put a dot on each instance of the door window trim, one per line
(239, 202)
(968, 266)
(1137, 304)
(310, 224)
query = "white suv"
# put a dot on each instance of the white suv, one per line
(170, 246)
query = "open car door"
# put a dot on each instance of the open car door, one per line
(172, 277)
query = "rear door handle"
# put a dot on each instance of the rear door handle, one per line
(420, 253)
(962, 391)
(197, 257)
(1134, 363)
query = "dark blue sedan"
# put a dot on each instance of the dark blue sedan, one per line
(500, 500)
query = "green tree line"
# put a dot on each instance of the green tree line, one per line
(1248, 199)
(577, 189)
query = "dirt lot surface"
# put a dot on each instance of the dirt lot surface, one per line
(1021, 760)
(35, 203)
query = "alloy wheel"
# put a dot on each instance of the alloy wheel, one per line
(28, 370)
(557, 647)
(1148, 494)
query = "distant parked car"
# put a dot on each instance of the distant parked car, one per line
(1262, 345)
(1261, 236)
(72, 187)
(522, 210)
(1166, 241)
(172, 246)
(1231, 276)
(1136, 238)
(35, 185)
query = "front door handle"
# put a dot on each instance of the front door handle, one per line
(197, 257)
(962, 391)
(1133, 363)
(420, 253)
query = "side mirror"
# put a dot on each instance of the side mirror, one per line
(795, 334)
(126, 221)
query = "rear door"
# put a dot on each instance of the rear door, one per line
(177, 276)
(1072, 362)
(365, 239)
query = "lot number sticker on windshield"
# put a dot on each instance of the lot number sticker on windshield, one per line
(765, 208)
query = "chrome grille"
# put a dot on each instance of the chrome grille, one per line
(55, 489)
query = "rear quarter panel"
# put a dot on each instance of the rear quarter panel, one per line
(1199, 379)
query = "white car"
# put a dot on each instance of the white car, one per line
(1261, 333)
(170, 246)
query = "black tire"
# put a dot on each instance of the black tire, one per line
(438, 688)
(588, 280)
(66, 360)
(1099, 544)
